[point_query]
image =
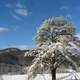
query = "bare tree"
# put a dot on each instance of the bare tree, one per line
(56, 45)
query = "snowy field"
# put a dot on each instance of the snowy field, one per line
(60, 76)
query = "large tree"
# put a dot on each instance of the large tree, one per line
(56, 44)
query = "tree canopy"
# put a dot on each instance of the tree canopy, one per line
(52, 28)
(57, 44)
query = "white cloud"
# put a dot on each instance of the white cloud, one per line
(17, 10)
(22, 47)
(16, 17)
(21, 9)
(19, 5)
(64, 8)
(3, 29)
(22, 12)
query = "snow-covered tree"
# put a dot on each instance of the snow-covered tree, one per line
(57, 44)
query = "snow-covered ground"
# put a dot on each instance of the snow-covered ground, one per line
(60, 76)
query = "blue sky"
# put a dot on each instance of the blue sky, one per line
(19, 19)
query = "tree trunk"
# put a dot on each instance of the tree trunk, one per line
(53, 72)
